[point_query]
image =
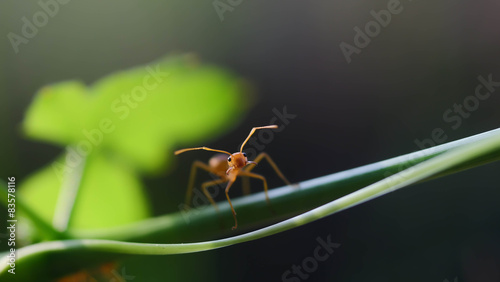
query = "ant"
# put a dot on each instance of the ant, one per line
(228, 169)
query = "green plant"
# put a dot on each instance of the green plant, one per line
(441, 160)
(72, 242)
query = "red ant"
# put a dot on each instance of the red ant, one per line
(228, 169)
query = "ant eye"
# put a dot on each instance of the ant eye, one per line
(229, 159)
(245, 155)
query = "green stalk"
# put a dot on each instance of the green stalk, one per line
(204, 222)
(44, 227)
(67, 196)
(87, 251)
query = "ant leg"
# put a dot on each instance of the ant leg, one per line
(245, 183)
(230, 204)
(273, 165)
(207, 184)
(258, 176)
(189, 192)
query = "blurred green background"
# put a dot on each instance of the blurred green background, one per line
(394, 92)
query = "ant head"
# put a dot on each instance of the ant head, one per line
(237, 161)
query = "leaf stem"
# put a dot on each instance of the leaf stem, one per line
(397, 181)
(196, 223)
(38, 222)
(70, 187)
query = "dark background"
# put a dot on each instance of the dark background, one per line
(348, 114)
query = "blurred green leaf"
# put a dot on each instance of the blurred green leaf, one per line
(121, 201)
(56, 112)
(109, 195)
(140, 114)
(124, 124)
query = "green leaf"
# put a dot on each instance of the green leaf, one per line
(109, 195)
(56, 113)
(126, 122)
(121, 201)
(422, 165)
(140, 114)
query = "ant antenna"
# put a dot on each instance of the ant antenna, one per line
(252, 132)
(200, 148)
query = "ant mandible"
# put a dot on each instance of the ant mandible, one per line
(228, 169)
